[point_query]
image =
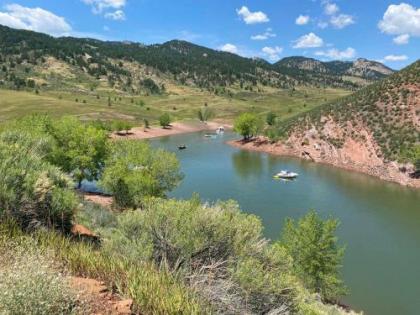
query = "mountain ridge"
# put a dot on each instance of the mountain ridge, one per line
(176, 60)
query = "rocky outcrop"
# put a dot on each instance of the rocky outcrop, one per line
(358, 153)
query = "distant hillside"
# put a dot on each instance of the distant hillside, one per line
(34, 60)
(367, 130)
(334, 73)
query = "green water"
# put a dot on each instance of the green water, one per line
(380, 222)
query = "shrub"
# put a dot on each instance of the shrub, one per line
(271, 118)
(217, 250)
(316, 255)
(30, 284)
(134, 171)
(204, 114)
(32, 191)
(121, 125)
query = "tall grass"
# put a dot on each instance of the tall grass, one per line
(153, 290)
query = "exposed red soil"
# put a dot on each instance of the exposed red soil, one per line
(359, 156)
(102, 200)
(98, 299)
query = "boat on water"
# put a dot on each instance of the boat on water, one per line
(286, 175)
(182, 147)
(210, 135)
(220, 130)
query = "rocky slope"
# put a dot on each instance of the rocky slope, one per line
(350, 74)
(374, 131)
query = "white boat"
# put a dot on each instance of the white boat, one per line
(286, 175)
(221, 129)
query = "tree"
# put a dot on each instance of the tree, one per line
(271, 118)
(165, 120)
(79, 149)
(204, 114)
(134, 171)
(247, 125)
(317, 257)
(121, 125)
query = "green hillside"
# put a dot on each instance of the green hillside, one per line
(389, 109)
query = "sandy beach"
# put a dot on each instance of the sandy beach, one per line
(174, 129)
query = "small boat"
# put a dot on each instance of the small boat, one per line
(210, 135)
(221, 129)
(182, 147)
(286, 175)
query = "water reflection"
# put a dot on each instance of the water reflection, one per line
(242, 160)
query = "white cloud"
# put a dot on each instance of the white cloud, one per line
(302, 19)
(331, 8)
(252, 17)
(342, 20)
(402, 39)
(336, 54)
(111, 9)
(401, 19)
(34, 19)
(393, 58)
(272, 52)
(308, 41)
(118, 15)
(266, 35)
(229, 48)
(98, 6)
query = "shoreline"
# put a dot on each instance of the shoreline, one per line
(176, 128)
(279, 149)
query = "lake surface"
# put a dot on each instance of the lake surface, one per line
(380, 221)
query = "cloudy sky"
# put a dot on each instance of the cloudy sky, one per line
(387, 31)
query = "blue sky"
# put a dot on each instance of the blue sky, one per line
(383, 30)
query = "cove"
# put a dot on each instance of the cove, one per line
(380, 221)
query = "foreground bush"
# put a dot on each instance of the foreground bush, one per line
(30, 284)
(216, 250)
(33, 192)
(317, 257)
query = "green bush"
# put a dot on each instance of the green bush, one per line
(317, 257)
(217, 250)
(32, 191)
(204, 114)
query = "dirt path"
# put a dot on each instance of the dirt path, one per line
(176, 128)
(98, 299)
(104, 201)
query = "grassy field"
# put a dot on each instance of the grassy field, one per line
(181, 102)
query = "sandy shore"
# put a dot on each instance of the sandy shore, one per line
(263, 145)
(104, 201)
(174, 129)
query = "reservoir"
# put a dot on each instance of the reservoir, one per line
(380, 221)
